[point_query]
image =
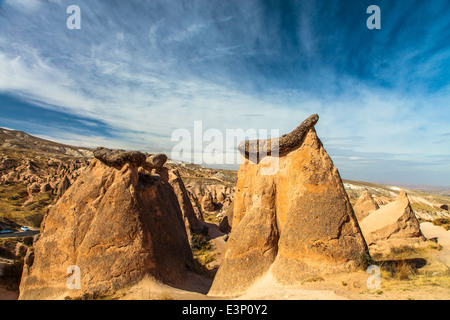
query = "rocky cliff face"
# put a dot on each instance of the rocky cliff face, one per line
(119, 221)
(294, 223)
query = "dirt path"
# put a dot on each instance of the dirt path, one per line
(266, 288)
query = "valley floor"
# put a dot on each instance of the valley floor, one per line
(431, 282)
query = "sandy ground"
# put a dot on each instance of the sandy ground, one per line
(347, 286)
(267, 288)
(217, 239)
(195, 287)
(443, 237)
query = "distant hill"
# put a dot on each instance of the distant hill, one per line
(428, 188)
(19, 140)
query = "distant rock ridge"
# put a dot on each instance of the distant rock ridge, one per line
(295, 223)
(20, 140)
(118, 223)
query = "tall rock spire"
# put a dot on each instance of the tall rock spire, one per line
(294, 223)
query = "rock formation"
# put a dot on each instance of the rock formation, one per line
(62, 187)
(392, 225)
(282, 145)
(118, 223)
(191, 222)
(365, 206)
(293, 223)
(53, 175)
(227, 219)
(211, 196)
(34, 188)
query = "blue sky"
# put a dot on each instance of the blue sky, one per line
(138, 70)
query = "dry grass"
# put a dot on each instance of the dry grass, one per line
(406, 279)
(442, 222)
(211, 217)
(404, 252)
(313, 279)
(423, 207)
(12, 205)
(403, 273)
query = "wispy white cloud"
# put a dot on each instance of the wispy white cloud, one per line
(24, 4)
(145, 70)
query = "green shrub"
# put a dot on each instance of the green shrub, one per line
(199, 242)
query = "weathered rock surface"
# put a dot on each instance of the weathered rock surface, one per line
(257, 149)
(34, 188)
(62, 187)
(117, 223)
(365, 205)
(156, 160)
(391, 225)
(227, 219)
(211, 196)
(294, 223)
(118, 158)
(190, 219)
(52, 175)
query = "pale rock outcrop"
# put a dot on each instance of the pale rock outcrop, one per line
(117, 224)
(293, 223)
(392, 225)
(364, 206)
